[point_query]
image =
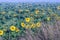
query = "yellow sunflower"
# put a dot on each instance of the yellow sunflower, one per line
(38, 24)
(1, 32)
(37, 11)
(27, 26)
(17, 29)
(27, 19)
(12, 28)
(48, 18)
(33, 25)
(23, 24)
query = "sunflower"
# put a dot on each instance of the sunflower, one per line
(33, 25)
(15, 15)
(27, 19)
(48, 18)
(58, 7)
(27, 26)
(20, 10)
(12, 28)
(1, 32)
(23, 24)
(31, 14)
(3, 12)
(17, 29)
(27, 10)
(37, 11)
(38, 24)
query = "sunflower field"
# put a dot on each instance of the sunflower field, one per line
(17, 18)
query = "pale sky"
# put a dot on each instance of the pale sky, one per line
(29, 0)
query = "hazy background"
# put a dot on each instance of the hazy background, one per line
(29, 0)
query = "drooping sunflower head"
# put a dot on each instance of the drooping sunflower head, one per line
(17, 30)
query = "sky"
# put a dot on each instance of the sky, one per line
(29, 0)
